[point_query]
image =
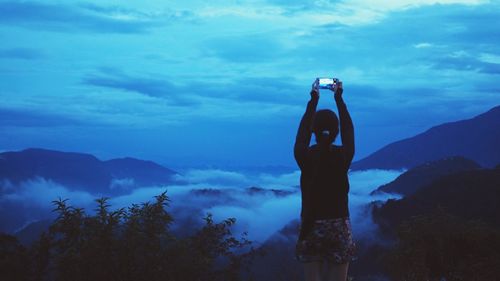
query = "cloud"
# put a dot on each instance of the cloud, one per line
(261, 212)
(191, 202)
(63, 18)
(12, 117)
(490, 58)
(205, 94)
(152, 87)
(266, 215)
(282, 181)
(41, 192)
(354, 12)
(292, 2)
(32, 201)
(240, 179)
(406, 65)
(408, 33)
(21, 53)
(253, 89)
(408, 4)
(466, 62)
(122, 184)
(277, 90)
(362, 184)
(214, 176)
(262, 220)
(475, 26)
(251, 208)
(423, 45)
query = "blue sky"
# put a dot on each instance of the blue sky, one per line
(224, 83)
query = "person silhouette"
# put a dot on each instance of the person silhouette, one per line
(325, 245)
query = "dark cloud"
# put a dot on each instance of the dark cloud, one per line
(68, 18)
(490, 68)
(491, 87)
(108, 9)
(29, 118)
(466, 63)
(268, 90)
(145, 86)
(21, 53)
(294, 7)
(272, 90)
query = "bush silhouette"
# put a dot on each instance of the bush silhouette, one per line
(133, 243)
(443, 247)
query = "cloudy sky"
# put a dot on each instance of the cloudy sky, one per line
(224, 83)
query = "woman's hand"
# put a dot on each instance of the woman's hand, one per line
(337, 91)
(314, 90)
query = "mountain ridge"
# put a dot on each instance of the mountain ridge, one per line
(80, 170)
(412, 180)
(471, 194)
(476, 138)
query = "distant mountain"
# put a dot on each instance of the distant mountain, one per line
(142, 172)
(81, 171)
(477, 139)
(410, 181)
(469, 195)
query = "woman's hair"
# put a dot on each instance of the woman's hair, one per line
(326, 120)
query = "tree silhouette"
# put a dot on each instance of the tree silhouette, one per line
(133, 243)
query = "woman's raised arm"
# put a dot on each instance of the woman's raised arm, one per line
(305, 128)
(346, 126)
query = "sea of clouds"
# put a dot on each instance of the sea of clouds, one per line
(262, 203)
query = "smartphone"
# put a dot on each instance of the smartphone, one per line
(327, 83)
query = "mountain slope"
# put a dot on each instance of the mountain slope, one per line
(143, 172)
(476, 139)
(410, 181)
(79, 171)
(468, 195)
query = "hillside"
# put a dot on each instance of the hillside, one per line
(80, 171)
(142, 172)
(410, 181)
(468, 195)
(476, 139)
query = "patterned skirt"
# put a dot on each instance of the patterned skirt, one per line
(329, 240)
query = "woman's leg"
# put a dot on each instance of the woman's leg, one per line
(312, 271)
(336, 272)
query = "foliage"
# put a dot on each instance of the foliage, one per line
(13, 258)
(133, 243)
(443, 247)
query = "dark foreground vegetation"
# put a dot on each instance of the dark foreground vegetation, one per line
(444, 247)
(132, 243)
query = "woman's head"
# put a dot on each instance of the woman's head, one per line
(325, 126)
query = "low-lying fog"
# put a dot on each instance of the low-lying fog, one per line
(261, 203)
